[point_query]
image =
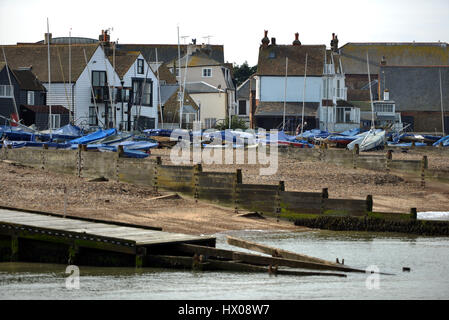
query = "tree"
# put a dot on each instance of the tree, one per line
(243, 72)
(236, 123)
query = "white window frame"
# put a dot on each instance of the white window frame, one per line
(30, 98)
(210, 122)
(55, 121)
(3, 91)
(208, 74)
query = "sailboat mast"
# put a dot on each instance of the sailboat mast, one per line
(370, 92)
(10, 83)
(180, 83)
(49, 80)
(442, 107)
(304, 97)
(70, 78)
(159, 91)
(285, 93)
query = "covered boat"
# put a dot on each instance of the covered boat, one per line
(94, 137)
(375, 138)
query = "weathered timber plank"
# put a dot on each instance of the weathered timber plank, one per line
(257, 187)
(259, 260)
(215, 265)
(275, 252)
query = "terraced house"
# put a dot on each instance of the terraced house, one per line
(84, 81)
(409, 71)
(203, 73)
(282, 78)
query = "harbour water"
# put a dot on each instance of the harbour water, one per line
(428, 258)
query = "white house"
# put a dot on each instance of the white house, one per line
(136, 104)
(209, 83)
(285, 86)
(83, 80)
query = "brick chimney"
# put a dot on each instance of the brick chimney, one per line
(47, 38)
(334, 43)
(273, 41)
(104, 37)
(265, 40)
(296, 42)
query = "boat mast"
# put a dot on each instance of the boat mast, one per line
(304, 97)
(370, 93)
(10, 83)
(49, 80)
(114, 99)
(442, 107)
(159, 91)
(180, 83)
(70, 78)
(285, 93)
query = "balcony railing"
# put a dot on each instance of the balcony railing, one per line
(341, 94)
(101, 94)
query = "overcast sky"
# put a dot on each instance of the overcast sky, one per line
(236, 24)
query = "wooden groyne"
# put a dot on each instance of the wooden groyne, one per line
(228, 189)
(373, 224)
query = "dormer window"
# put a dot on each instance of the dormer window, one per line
(207, 72)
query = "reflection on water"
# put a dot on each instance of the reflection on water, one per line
(428, 259)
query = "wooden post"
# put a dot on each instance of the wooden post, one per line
(413, 144)
(369, 203)
(413, 213)
(45, 146)
(155, 176)
(236, 189)
(73, 251)
(325, 193)
(120, 151)
(281, 188)
(324, 196)
(14, 248)
(355, 155)
(79, 160)
(424, 166)
(65, 201)
(388, 160)
(140, 257)
(196, 181)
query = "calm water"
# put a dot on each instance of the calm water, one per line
(428, 259)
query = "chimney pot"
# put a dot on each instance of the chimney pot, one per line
(47, 38)
(273, 41)
(334, 43)
(265, 40)
(296, 42)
